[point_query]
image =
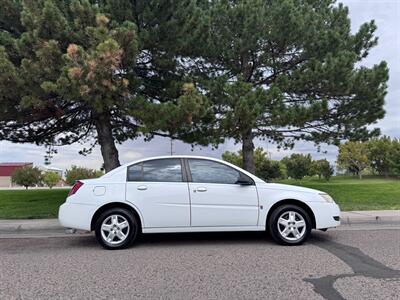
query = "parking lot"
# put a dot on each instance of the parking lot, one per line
(350, 263)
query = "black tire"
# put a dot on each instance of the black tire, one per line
(131, 235)
(274, 228)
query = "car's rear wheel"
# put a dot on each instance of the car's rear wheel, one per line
(116, 228)
(289, 225)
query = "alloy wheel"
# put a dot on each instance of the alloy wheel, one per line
(291, 225)
(115, 229)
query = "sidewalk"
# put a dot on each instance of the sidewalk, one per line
(44, 226)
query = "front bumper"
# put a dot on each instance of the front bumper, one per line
(327, 215)
(76, 216)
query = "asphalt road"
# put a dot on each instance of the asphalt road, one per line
(338, 264)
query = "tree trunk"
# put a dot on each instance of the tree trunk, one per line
(106, 141)
(359, 175)
(248, 151)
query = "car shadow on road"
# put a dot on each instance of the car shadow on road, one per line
(200, 238)
(184, 239)
(194, 238)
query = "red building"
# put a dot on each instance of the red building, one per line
(6, 170)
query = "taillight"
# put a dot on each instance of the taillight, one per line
(75, 188)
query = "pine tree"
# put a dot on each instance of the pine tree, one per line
(91, 71)
(286, 70)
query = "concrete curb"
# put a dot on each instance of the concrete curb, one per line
(348, 218)
(29, 225)
(35, 229)
(370, 217)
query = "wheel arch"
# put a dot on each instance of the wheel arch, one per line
(110, 205)
(299, 203)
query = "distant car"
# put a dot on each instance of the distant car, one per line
(192, 194)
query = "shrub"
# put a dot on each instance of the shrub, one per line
(353, 157)
(27, 176)
(298, 165)
(77, 173)
(266, 168)
(51, 179)
(269, 169)
(322, 168)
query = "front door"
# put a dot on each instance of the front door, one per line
(218, 198)
(157, 189)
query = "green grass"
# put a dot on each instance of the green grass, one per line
(354, 194)
(31, 204)
(349, 193)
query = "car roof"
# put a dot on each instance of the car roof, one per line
(174, 156)
(179, 156)
(183, 156)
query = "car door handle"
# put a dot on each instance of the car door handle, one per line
(201, 189)
(142, 187)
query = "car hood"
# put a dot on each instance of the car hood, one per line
(287, 187)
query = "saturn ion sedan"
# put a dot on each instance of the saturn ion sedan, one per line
(192, 194)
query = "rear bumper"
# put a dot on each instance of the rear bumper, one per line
(76, 216)
(327, 215)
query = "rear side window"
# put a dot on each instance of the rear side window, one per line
(135, 173)
(206, 171)
(158, 170)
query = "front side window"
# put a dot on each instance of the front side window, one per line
(158, 170)
(206, 171)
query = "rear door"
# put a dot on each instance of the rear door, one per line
(218, 198)
(158, 188)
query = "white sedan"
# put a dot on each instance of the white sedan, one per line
(192, 194)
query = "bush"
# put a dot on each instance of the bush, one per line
(269, 169)
(394, 159)
(233, 158)
(379, 154)
(51, 179)
(353, 157)
(78, 173)
(298, 165)
(27, 176)
(266, 168)
(295, 166)
(322, 168)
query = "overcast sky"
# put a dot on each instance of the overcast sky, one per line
(386, 13)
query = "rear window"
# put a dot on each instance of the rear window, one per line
(158, 170)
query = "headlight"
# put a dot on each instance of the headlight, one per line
(327, 198)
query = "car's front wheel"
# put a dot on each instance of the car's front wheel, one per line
(116, 228)
(289, 225)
